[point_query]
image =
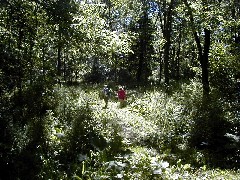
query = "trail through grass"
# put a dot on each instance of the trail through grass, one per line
(152, 115)
(133, 126)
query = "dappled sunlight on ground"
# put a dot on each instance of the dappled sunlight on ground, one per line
(148, 130)
(133, 125)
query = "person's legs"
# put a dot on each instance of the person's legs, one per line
(106, 102)
(121, 103)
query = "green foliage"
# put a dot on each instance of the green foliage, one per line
(148, 139)
(82, 136)
(26, 130)
(51, 131)
(184, 122)
(139, 62)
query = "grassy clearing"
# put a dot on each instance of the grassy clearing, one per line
(148, 139)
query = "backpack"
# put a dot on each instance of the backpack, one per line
(106, 92)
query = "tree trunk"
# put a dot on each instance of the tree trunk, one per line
(177, 68)
(140, 68)
(167, 35)
(160, 67)
(203, 54)
(166, 61)
(205, 63)
(59, 51)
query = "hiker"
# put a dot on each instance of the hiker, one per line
(106, 95)
(238, 89)
(121, 96)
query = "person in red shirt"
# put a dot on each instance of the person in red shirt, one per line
(121, 96)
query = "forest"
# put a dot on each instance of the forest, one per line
(178, 61)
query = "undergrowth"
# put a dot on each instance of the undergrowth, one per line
(158, 135)
(152, 138)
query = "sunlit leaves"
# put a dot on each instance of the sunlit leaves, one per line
(97, 39)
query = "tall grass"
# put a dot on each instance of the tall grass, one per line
(158, 135)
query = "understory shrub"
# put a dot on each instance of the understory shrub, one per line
(212, 132)
(24, 138)
(198, 132)
(82, 136)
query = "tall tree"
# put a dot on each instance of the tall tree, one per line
(167, 30)
(203, 52)
(143, 46)
(166, 16)
(61, 14)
